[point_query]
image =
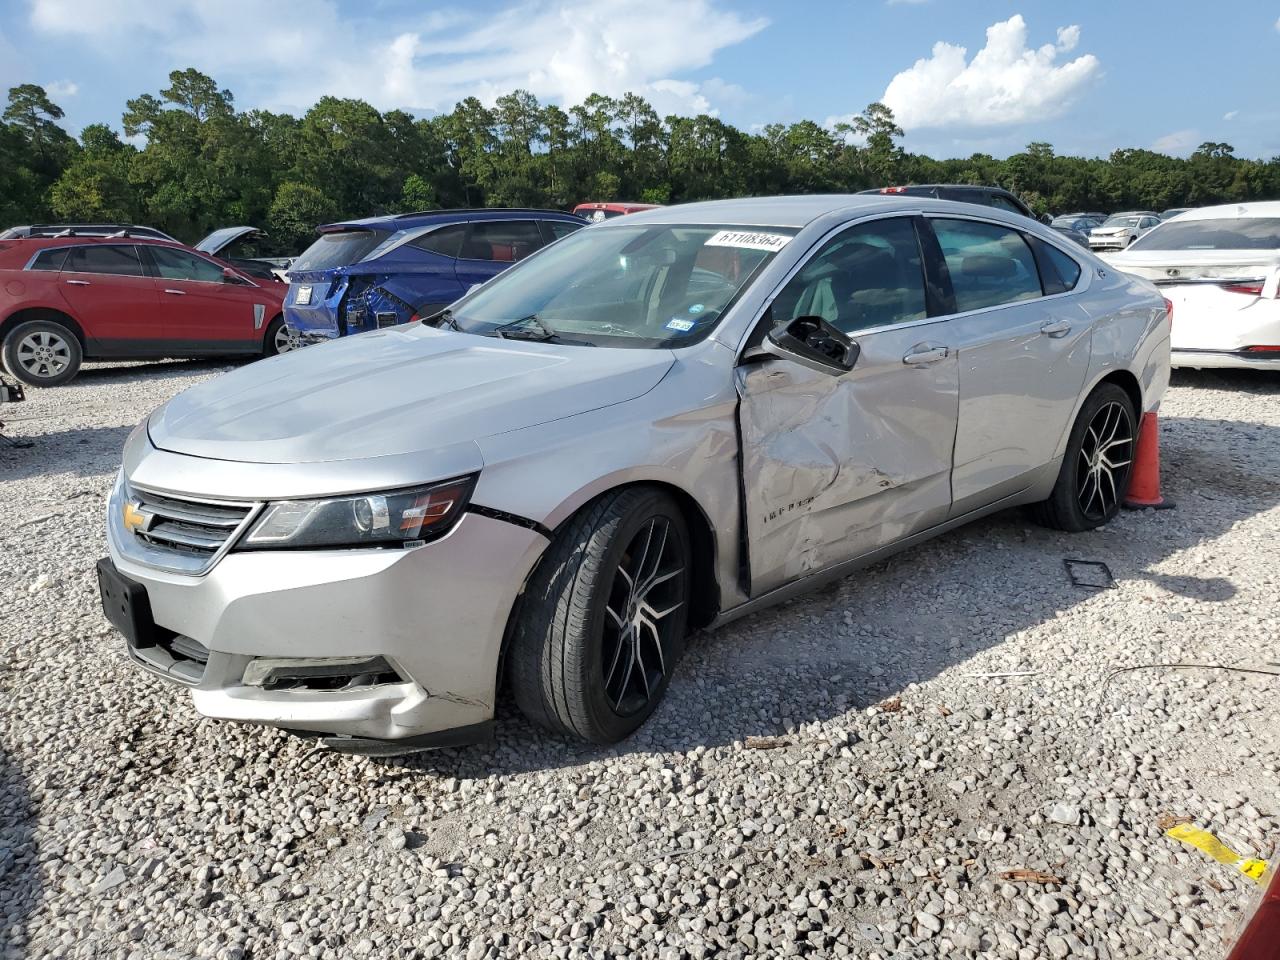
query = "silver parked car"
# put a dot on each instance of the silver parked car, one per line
(665, 422)
(1121, 229)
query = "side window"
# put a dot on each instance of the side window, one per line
(553, 230)
(179, 265)
(446, 241)
(989, 264)
(118, 259)
(505, 241)
(1149, 221)
(869, 276)
(49, 259)
(1004, 203)
(1068, 269)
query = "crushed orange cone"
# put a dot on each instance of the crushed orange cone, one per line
(1144, 481)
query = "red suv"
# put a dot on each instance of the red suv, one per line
(66, 299)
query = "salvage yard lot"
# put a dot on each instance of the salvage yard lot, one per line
(901, 779)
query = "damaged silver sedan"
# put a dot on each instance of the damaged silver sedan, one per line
(661, 423)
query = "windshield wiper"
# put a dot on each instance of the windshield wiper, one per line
(444, 319)
(531, 327)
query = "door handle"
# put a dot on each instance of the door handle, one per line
(78, 283)
(1055, 328)
(923, 353)
(177, 293)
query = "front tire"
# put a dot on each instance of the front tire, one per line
(603, 620)
(42, 353)
(1096, 467)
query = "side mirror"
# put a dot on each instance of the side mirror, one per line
(1045, 219)
(813, 342)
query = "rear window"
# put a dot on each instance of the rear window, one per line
(339, 249)
(121, 260)
(446, 241)
(49, 259)
(503, 241)
(1234, 233)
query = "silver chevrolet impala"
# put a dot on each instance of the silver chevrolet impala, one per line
(661, 423)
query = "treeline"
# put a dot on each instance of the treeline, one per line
(203, 164)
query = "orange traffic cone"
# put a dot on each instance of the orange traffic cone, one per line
(1144, 481)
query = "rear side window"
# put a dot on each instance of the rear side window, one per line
(1067, 268)
(180, 265)
(446, 241)
(555, 229)
(120, 260)
(1004, 203)
(339, 249)
(989, 264)
(505, 241)
(49, 259)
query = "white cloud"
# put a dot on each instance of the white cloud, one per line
(1231, 115)
(62, 88)
(1278, 25)
(426, 61)
(1178, 142)
(1005, 83)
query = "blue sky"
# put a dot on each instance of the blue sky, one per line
(963, 75)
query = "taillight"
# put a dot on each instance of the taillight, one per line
(1168, 310)
(415, 318)
(1251, 288)
(1262, 348)
(893, 189)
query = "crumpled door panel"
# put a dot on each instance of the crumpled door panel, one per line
(836, 466)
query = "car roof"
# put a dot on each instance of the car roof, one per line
(799, 211)
(424, 218)
(1260, 208)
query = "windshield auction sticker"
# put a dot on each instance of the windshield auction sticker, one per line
(748, 240)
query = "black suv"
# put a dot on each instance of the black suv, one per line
(996, 197)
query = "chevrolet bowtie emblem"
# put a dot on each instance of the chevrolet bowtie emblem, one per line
(135, 518)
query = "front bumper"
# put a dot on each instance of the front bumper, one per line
(1223, 360)
(1119, 243)
(436, 614)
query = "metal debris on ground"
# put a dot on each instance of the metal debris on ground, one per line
(1090, 574)
(765, 743)
(1029, 876)
(892, 705)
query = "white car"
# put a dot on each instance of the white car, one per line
(1121, 229)
(1218, 267)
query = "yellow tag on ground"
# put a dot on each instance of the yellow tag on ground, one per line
(1188, 833)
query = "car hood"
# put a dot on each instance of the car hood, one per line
(223, 237)
(396, 391)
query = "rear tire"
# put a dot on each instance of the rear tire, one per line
(42, 353)
(1095, 470)
(279, 339)
(602, 622)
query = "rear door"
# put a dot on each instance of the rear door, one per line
(491, 246)
(1023, 355)
(834, 466)
(203, 312)
(113, 299)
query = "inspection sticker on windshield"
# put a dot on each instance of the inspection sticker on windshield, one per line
(303, 297)
(675, 323)
(748, 240)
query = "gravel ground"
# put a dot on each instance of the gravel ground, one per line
(900, 783)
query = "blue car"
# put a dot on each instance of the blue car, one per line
(378, 272)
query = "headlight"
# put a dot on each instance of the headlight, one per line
(395, 518)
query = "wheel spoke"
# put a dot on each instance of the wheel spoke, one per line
(657, 643)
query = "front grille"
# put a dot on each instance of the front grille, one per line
(186, 535)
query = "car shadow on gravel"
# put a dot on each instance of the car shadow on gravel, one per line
(19, 873)
(867, 638)
(83, 451)
(146, 370)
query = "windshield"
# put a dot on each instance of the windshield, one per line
(1235, 233)
(338, 249)
(1119, 221)
(658, 285)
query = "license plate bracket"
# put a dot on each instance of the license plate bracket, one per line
(126, 606)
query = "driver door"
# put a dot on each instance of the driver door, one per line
(835, 465)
